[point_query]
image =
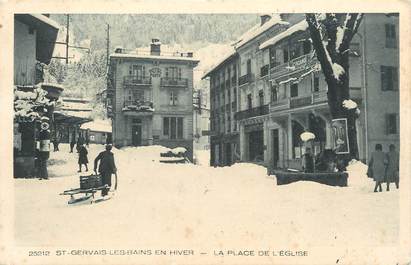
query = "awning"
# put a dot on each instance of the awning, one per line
(71, 118)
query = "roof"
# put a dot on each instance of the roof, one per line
(157, 57)
(46, 36)
(71, 117)
(259, 29)
(245, 38)
(97, 126)
(300, 26)
(230, 54)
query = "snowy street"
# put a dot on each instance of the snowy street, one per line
(220, 207)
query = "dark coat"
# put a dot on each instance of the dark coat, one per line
(107, 164)
(393, 165)
(308, 163)
(82, 155)
(378, 163)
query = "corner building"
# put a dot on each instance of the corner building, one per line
(149, 97)
(282, 92)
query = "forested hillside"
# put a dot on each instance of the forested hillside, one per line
(131, 31)
(207, 35)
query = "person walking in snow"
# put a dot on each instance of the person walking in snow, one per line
(393, 166)
(82, 158)
(378, 163)
(106, 167)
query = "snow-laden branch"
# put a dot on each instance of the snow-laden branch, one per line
(349, 104)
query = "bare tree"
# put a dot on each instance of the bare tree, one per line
(331, 35)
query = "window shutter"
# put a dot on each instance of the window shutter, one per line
(166, 126)
(395, 78)
(383, 78)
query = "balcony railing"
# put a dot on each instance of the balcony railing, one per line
(300, 101)
(138, 106)
(320, 96)
(173, 82)
(243, 79)
(254, 112)
(280, 105)
(294, 65)
(264, 70)
(133, 80)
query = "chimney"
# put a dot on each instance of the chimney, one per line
(155, 47)
(264, 18)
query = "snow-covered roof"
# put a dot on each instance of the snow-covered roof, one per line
(259, 29)
(230, 53)
(97, 126)
(75, 105)
(46, 20)
(300, 26)
(158, 57)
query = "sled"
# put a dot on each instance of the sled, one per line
(89, 185)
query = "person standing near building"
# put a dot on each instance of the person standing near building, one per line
(72, 142)
(82, 158)
(378, 163)
(106, 167)
(308, 161)
(393, 166)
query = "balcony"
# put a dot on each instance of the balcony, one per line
(300, 101)
(264, 70)
(250, 113)
(295, 65)
(133, 80)
(173, 82)
(319, 97)
(247, 78)
(138, 107)
(280, 105)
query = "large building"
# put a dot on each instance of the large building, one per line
(34, 41)
(150, 97)
(281, 92)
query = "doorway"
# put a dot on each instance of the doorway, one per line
(136, 135)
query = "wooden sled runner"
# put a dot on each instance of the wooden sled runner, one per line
(89, 185)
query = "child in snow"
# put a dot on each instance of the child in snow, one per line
(82, 157)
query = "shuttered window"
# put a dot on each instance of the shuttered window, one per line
(390, 36)
(391, 123)
(389, 78)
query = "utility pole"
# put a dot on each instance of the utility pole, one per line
(67, 36)
(67, 43)
(108, 44)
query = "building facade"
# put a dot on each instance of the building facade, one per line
(34, 40)
(150, 98)
(282, 92)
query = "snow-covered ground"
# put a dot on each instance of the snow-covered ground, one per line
(200, 207)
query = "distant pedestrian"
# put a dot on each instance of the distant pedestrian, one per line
(378, 163)
(82, 158)
(308, 161)
(72, 142)
(56, 142)
(393, 166)
(80, 142)
(106, 167)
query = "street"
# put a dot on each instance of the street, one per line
(189, 205)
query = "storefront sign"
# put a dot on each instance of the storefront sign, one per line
(340, 136)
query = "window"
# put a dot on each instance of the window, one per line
(249, 101)
(261, 97)
(273, 57)
(249, 67)
(173, 98)
(316, 87)
(138, 71)
(390, 36)
(294, 90)
(285, 54)
(173, 127)
(389, 78)
(274, 94)
(307, 47)
(179, 73)
(391, 123)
